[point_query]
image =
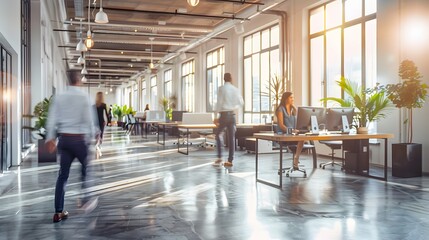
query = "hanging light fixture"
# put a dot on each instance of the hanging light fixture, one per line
(89, 43)
(101, 17)
(193, 3)
(151, 65)
(84, 80)
(81, 59)
(84, 71)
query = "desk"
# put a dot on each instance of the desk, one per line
(164, 126)
(287, 138)
(193, 127)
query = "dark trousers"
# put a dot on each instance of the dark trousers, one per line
(226, 121)
(70, 147)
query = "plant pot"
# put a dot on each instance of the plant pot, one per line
(43, 154)
(362, 130)
(407, 160)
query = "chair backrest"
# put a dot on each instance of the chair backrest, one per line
(197, 118)
(139, 114)
(177, 116)
(155, 115)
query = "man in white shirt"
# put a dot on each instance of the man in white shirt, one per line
(228, 101)
(71, 118)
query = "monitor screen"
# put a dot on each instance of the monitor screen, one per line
(334, 118)
(303, 123)
(177, 116)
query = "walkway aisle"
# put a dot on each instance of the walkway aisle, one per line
(147, 191)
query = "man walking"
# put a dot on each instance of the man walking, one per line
(228, 101)
(71, 118)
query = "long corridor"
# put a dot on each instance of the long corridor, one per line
(148, 191)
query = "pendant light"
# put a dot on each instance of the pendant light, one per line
(84, 80)
(101, 16)
(89, 43)
(193, 3)
(151, 65)
(80, 46)
(84, 70)
(81, 59)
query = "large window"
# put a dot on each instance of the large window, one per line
(342, 43)
(261, 64)
(135, 96)
(188, 86)
(215, 70)
(168, 83)
(5, 106)
(143, 96)
(153, 93)
(25, 73)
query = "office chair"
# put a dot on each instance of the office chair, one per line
(292, 148)
(333, 145)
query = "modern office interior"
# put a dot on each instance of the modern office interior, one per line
(141, 52)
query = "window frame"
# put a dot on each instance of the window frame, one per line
(214, 67)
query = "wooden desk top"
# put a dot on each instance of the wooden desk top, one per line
(195, 126)
(286, 138)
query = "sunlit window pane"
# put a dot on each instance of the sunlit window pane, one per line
(371, 53)
(214, 77)
(353, 54)
(248, 84)
(265, 39)
(153, 93)
(275, 36)
(353, 9)
(317, 63)
(188, 86)
(265, 81)
(256, 83)
(334, 13)
(247, 45)
(317, 20)
(370, 7)
(333, 63)
(256, 42)
(209, 60)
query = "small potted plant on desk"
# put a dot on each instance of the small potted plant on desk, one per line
(370, 103)
(41, 112)
(409, 94)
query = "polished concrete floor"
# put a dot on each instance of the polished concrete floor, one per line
(148, 191)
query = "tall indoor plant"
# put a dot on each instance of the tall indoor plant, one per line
(410, 93)
(276, 88)
(370, 104)
(41, 113)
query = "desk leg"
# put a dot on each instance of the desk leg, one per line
(187, 143)
(257, 168)
(157, 133)
(385, 159)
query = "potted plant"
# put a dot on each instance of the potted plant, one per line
(41, 113)
(276, 88)
(370, 104)
(409, 94)
(168, 104)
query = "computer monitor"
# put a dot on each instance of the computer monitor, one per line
(339, 119)
(177, 116)
(309, 118)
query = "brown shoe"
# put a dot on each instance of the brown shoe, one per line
(217, 162)
(227, 164)
(58, 217)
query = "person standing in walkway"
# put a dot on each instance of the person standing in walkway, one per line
(101, 112)
(229, 100)
(70, 118)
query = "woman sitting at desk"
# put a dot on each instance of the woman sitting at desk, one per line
(286, 119)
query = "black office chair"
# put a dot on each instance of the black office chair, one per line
(292, 149)
(333, 145)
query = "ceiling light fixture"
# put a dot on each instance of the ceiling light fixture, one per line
(80, 46)
(193, 3)
(151, 65)
(84, 80)
(81, 59)
(89, 43)
(101, 16)
(84, 71)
